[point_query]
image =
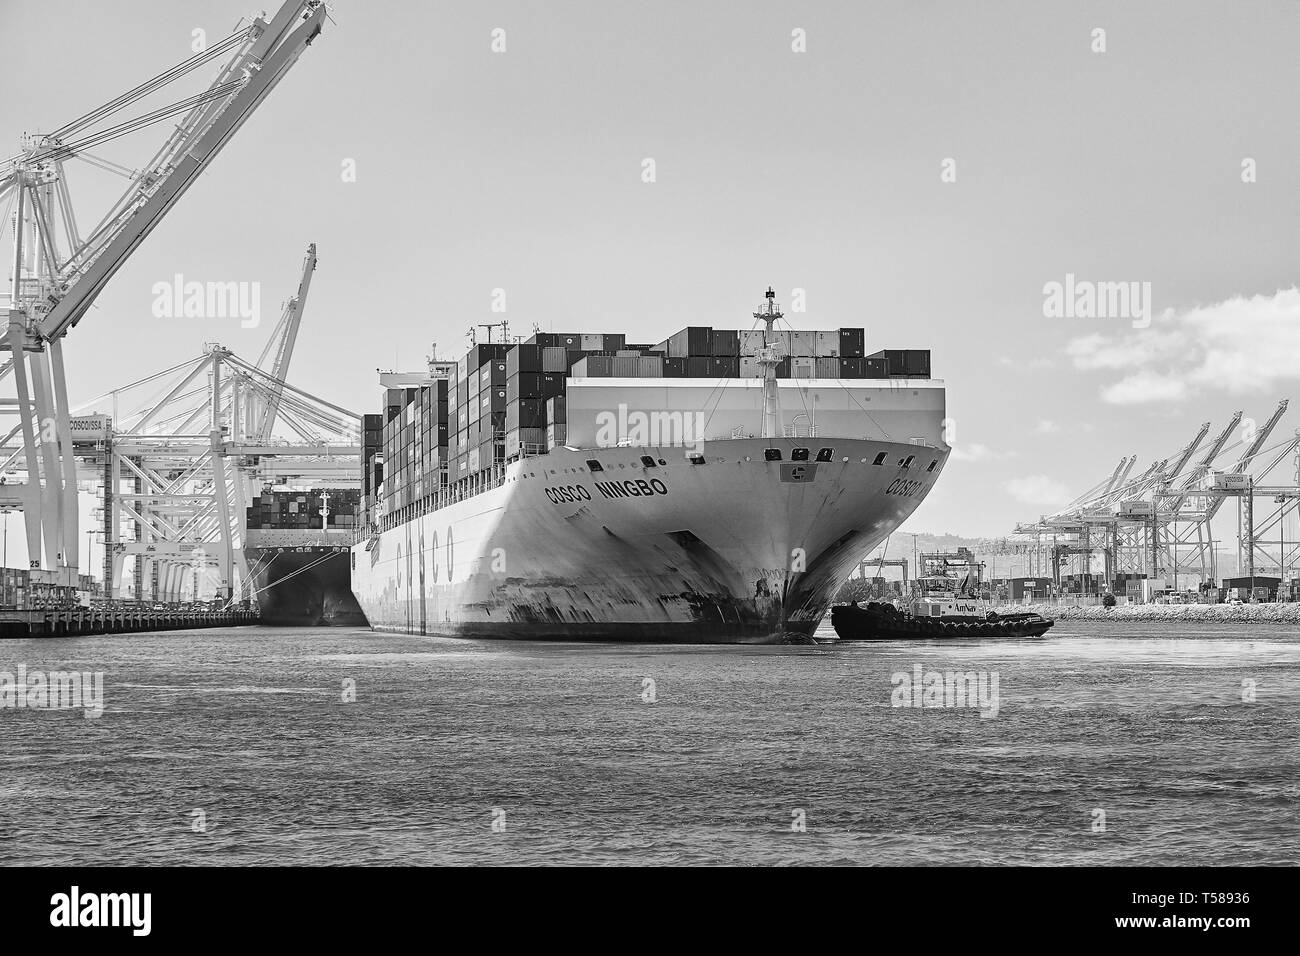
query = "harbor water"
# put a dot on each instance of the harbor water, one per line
(1137, 744)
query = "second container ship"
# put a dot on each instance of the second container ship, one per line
(718, 486)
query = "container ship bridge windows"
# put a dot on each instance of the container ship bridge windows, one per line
(825, 454)
(647, 461)
(771, 454)
(798, 454)
(906, 462)
(594, 465)
(932, 464)
(880, 459)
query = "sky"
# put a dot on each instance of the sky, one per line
(923, 170)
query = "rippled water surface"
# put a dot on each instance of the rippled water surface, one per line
(1144, 722)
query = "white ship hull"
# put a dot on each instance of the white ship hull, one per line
(737, 549)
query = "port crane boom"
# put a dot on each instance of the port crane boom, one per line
(57, 272)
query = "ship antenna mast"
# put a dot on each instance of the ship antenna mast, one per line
(769, 357)
(503, 325)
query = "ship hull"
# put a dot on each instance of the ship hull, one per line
(305, 587)
(735, 550)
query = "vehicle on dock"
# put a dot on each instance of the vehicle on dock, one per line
(946, 606)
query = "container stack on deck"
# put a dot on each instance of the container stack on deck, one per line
(415, 444)
(304, 510)
(507, 401)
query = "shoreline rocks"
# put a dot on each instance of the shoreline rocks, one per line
(1168, 613)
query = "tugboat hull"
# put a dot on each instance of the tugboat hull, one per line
(883, 622)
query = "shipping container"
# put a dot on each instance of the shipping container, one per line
(803, 367)
(593, 366)
(725, 342)
(592, 342)
(523, 385)
(749, 367)
(555, 410)
(525, 413)
(691, 341)
(523, 358)
(826, 344)
(803, 345)
(697, 367)
(751, 342)
(828, 367)
(851, 368)
(567, 340)
(530, 441)
(625, 367)
(480, 355)
(551, 385)
(906, 363)
(724, 366)
(555, 435)
(875, 368)
(555, 359)
(493, 373)
(674, 368)
(650, 366)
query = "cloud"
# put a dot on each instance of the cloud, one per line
(1145, 387)
(1047, 427)
(1238, 346)
(1038, 490)
(976, 452)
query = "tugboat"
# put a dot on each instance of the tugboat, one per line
(945, 607)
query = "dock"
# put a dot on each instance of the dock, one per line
(68, 622)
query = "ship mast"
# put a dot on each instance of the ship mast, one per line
(769, 357)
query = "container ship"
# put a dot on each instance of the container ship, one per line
(715, 487)
(296, 545)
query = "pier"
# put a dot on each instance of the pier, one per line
(67, 622)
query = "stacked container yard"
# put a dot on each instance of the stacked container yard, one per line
(502, 402)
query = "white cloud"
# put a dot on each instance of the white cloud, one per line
(976, 452)
(1238, 346)
(1143, 387)
(1039, 490)
(1047, 427)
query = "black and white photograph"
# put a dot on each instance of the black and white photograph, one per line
(781, 434)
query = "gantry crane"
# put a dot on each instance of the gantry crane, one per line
(58, 271)
(1146, 523)
(184, 507)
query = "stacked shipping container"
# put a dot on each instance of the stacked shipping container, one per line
(305, 510)
(504, 401)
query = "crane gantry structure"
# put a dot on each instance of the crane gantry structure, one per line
(1161, 522)
(58, 270)
(185, 448)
